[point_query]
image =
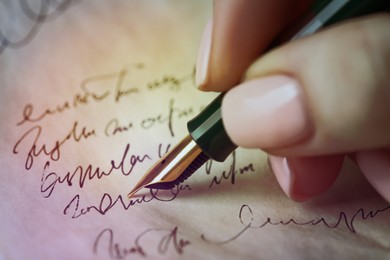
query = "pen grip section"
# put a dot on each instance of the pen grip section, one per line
(207, 130)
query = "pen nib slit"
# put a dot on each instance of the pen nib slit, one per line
(174, 167)
(193, 167)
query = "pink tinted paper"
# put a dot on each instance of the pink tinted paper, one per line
(92, 93)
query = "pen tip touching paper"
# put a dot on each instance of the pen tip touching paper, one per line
(173, 168)
(137, 188)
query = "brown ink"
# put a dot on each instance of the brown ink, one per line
(343, 219)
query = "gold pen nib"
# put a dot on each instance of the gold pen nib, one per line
(173, 168)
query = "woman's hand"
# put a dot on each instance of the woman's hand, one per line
(307, 103)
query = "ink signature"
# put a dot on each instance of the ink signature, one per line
(168, 239)
(247, 219)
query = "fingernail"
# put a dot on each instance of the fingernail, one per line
(286, 177)
(296, 178)
(282, 172)
(203, 56)
(266, 113)
(376, 167)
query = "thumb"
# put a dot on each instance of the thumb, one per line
(324, 94)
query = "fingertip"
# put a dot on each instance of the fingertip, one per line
(328, 79)
(375, 165)
(208, 76)
(266, 113)
(285, 177)
(202, 64)
(233, 40)
(304, 178)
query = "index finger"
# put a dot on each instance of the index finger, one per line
(239, 33)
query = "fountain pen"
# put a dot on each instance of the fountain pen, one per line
(207, 138)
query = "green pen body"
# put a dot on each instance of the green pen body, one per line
(207, 129)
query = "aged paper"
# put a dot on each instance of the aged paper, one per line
(92, 93)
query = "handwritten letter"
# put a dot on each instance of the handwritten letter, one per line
(92, 93)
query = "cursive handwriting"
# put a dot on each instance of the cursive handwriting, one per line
(126, 165)
(53, 152)
(106, 203)
(169, 81)
(167, 239)
(114, 127)
(85, 97)
(88, 96)
(48, 10)
(231, 174)
(173, 112)
(247, 218)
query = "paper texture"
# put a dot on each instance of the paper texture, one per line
(92, 93)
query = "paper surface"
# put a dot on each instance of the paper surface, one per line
(92, 93)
